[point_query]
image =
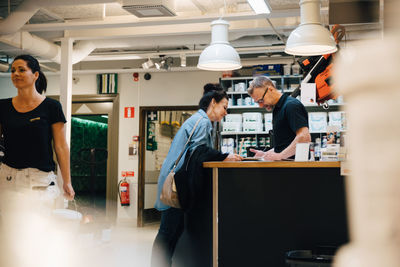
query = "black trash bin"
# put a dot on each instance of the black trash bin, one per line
(309, 258)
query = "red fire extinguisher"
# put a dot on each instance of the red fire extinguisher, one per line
(123, 189)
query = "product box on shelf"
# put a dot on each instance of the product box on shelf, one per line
(233, 118)
(317, 122)
(295, 69)
(269, 70)
(287, 69)
(231, 126)
(252, 127)
(268, 121)
(330, 153)
(252, 117)
(240, 87)
(335, 119)
(228, 145)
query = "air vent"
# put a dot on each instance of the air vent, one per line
(149, 8)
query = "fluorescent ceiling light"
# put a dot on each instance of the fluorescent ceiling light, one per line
(260, 6)
(219, 55)
(183, 60)
(148, 64)
(310, 38)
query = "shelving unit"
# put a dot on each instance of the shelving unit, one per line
(242, 133)
(286, 84)
(236, 87)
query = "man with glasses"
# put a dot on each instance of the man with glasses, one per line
(289, 119)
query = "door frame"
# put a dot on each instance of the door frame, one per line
(112, 146)
(142, 152)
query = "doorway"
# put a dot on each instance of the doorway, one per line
(102, 105)
(89, 155)
(102, 112)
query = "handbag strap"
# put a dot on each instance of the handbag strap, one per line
(187, 142)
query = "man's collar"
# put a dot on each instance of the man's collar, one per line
(281, 101)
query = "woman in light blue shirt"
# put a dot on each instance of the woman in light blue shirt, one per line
(213, 106)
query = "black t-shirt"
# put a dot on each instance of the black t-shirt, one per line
(28, 136)
(289, 115)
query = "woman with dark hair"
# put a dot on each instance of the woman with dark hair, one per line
(213, 107)
(29, 123)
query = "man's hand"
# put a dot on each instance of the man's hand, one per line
(272, 155)
(269, 155)
(257, 153)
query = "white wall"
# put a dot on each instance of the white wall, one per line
(81, 85)
(86, 85)
(7, 89)
(175, 88)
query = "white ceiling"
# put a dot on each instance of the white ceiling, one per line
(120, 36)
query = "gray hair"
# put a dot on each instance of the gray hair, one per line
(259, 82)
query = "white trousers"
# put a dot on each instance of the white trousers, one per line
(36, 183)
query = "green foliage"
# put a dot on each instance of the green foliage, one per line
(87, 132)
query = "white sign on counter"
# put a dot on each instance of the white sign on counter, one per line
(302, 150)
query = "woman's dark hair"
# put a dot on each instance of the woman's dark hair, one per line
(33, 64)
(212, 91)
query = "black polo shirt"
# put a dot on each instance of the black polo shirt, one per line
(28, 136)
(289, 115)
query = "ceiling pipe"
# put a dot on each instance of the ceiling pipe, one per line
(31, 44)
(37, 46)
(25, 11)
(81, 50)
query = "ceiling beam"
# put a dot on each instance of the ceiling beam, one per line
(249, 27)
(199, 6)
(189, 53)
(131, 21)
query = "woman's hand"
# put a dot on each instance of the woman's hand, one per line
(69, 192)
(233, 157)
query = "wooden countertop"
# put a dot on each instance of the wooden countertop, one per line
(272, 164)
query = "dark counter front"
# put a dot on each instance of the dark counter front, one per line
(265, 209)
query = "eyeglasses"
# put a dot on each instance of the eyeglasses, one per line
(261, 100)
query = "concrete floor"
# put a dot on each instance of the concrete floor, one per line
(131, 246)
(31, 236)
(33, 241)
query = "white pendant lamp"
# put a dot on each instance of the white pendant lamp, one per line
(310, 38)
(219, 55)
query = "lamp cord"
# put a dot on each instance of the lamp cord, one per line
(276, 32)
(224, 10)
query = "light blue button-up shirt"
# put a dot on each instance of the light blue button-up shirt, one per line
(202, 135)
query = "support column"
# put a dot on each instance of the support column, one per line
(65, 98)
(66, 83)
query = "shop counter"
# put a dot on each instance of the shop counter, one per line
(256, 211)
